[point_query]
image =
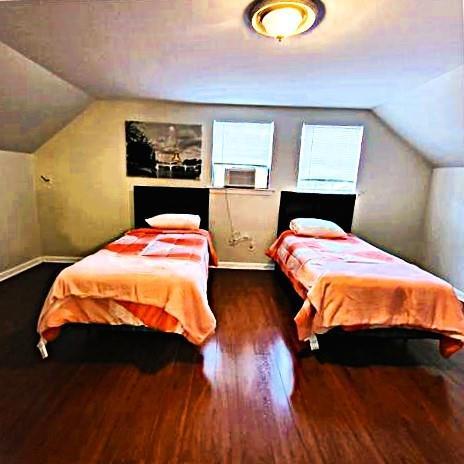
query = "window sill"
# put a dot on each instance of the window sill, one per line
(325, 192)
(240, 191)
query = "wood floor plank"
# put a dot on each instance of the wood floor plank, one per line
(246, 396)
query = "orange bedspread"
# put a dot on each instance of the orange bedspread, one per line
(148, 277)
(350, 284)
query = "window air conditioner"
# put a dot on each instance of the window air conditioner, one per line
(240, 177)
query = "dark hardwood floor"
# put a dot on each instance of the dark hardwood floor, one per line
(245, 397)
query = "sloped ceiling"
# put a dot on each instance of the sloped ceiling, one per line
(431, 118)
(34, 103)
(361, 55)
(365, 54)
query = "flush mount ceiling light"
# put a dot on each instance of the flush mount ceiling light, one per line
(284, 18)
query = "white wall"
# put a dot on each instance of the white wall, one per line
(19, 227)
(431, 117)
(90, 198)
(444, 227)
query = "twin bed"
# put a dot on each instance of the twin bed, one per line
(348, 285)
(149, 278)
(156, 279)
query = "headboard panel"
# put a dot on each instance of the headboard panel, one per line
(337, 208)
(150, 201)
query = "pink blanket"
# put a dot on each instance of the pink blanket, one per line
(350, 284)
(148, 277)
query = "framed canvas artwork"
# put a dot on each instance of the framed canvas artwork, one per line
(163, 150)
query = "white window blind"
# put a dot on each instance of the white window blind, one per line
(242, 144)
(329, 158)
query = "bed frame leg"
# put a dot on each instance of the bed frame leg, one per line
(313, 343)
(42, 348)
(307, 349)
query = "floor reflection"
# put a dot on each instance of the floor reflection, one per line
(211, 359)
(284, 370)
(268, 371)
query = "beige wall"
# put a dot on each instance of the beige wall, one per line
(444, 227)
(19, 227)
(89, 199)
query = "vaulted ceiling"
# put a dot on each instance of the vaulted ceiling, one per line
(363, 55)
(431, 117)
(34, 103)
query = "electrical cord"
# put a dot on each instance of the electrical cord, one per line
(236, 237)
(229, 215)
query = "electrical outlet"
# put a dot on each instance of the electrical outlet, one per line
(237, 237)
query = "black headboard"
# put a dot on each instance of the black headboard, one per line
(337, 208)
(150, 201)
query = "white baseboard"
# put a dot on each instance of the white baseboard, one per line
(221, 265)
(73, 259)
(245, 266)
(20, 268)
(61, 259)
(35, 262)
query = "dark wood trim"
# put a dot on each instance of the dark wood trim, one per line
(150, 201)
(331, 207)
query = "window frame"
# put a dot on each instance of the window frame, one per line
(267, 168)
(300, 181)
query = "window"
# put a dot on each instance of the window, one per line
(242, 145)
(329, 158)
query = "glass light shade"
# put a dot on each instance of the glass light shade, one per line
(284, 18)
(283, 22)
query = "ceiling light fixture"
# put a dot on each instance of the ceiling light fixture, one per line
(284, 18)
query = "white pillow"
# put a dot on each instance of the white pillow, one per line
(312, 227)
(175, 221)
